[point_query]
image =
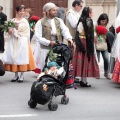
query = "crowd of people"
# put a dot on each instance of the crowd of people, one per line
(76, 27)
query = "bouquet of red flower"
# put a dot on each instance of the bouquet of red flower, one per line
(33, 20)
(118, 30)
(101, 30)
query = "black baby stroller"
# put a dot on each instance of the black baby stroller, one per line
(43, 90)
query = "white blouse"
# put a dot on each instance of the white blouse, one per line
(73, 17)
(44, 41)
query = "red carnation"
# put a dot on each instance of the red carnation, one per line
(118, 30)
(101, 30)
(34, 18)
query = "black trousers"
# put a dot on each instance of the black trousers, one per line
(1, 40)
(31, 35)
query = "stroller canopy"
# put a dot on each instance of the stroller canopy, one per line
(64, 50)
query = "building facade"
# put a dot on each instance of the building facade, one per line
(101, 6)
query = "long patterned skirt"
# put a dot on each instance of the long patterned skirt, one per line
(116, 72)
(83, 67)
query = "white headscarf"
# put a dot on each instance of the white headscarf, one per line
(48, 6)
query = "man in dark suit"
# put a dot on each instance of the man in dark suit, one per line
(3, 18)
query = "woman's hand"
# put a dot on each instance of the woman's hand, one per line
(11, 31)
(96, 39)
(74, 47)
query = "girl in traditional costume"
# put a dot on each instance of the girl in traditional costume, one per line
(84, 61)
(18, 56)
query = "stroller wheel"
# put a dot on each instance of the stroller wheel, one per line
(52, 106)
(32, 104)
(64, 100)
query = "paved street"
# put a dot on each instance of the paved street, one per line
(100, 102)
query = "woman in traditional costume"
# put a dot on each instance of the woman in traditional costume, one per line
(116, 52)
(18, 56)
(84, 61)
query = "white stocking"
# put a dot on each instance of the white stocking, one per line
(84, 79)
(16, 76)
(22, 76)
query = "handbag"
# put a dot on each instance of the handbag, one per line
(101, 46)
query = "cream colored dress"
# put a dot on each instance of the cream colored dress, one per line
(18, 56)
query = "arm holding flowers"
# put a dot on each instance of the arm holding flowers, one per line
(9, 27)
(101, 31)
(96, 39)
(21, 29)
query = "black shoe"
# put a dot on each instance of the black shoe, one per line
(76, 80)
(14, 80)
(82, 84)
(107, 76)
(20, 81)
